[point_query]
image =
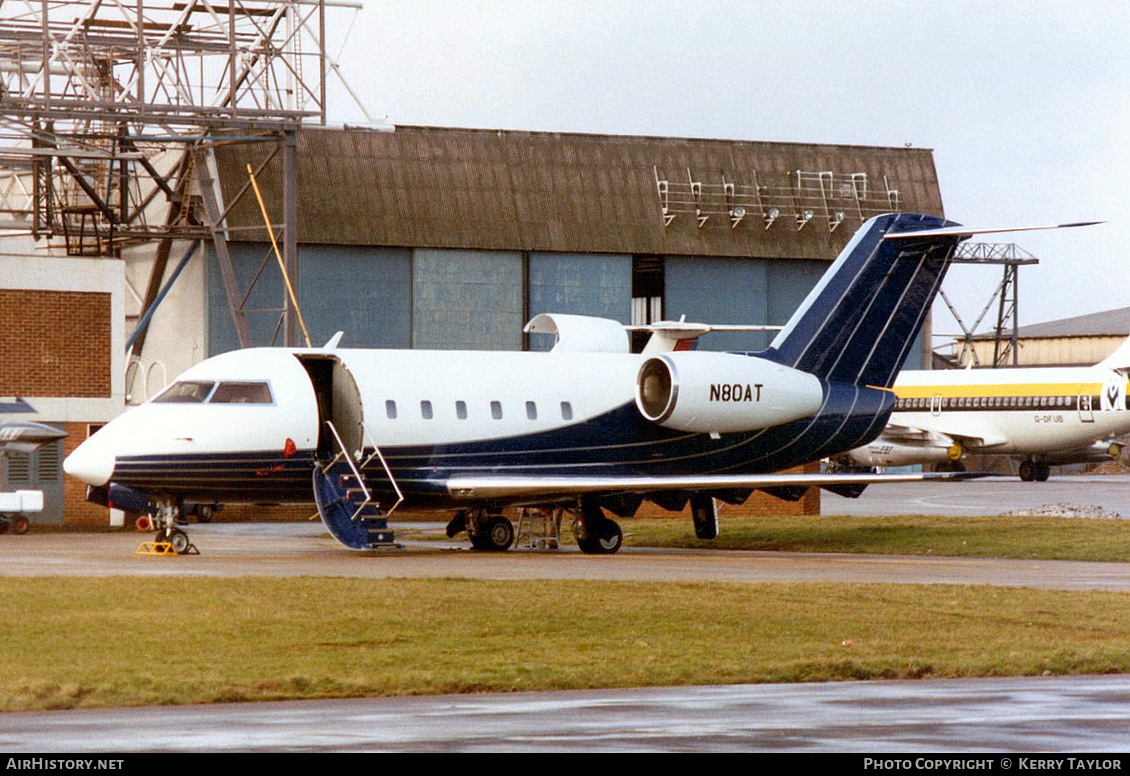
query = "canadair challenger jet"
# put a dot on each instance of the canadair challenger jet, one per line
(586, 427)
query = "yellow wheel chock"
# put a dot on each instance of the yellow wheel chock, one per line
(156, 548)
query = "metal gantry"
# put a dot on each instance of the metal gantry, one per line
(110, 111)
(1005, 333)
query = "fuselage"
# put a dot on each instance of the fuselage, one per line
(247, 426)
(1017, 412)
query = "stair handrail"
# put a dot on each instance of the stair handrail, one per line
(365, 435)
(349, 460)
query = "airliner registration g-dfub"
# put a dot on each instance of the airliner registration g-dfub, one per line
(1041, 416)
(588, 427)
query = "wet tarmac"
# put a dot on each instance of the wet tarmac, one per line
(1047, 714)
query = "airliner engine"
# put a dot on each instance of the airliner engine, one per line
(723, 392)
(882, 452)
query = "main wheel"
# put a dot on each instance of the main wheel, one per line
(499, 534)
(603, 539)
(1041, 471)
(3, 525)
(1026, 473)
(20, 524)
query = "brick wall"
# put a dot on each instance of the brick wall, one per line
(54, 343)
(758, 504)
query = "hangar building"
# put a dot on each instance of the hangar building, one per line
(453, 238)
(1081, 340)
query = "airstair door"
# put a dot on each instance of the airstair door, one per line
(339, 402)
(1086, 411)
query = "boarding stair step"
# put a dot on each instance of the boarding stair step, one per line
(341, 506)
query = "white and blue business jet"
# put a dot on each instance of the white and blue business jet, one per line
(588, 427)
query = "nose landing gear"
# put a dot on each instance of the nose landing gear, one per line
(169, 536)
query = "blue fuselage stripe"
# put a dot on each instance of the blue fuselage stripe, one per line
(619, 443)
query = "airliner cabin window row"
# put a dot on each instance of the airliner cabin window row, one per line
(997, 402)
(205, 391)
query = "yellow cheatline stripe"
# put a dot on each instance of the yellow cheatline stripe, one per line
(1018, 389)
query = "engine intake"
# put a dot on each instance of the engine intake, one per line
(723, 392)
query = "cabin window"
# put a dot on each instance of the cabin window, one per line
(426, 409)
(496, 410)
(531, 410)
(186, 392)
(242, 393)
(390, 409)
(461, 410)
(566, 411)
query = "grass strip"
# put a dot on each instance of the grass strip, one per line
(1049, 538)
(104, 642)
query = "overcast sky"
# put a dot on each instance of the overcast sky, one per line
(1026, 105)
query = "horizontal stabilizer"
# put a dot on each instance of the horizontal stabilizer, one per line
(516, 488)
(969, 231)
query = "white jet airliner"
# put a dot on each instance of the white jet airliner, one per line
(1040, 416)
(586, 427)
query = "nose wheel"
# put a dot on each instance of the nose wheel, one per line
(169, 514)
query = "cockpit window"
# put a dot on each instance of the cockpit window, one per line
(242, 393)
(186, 392)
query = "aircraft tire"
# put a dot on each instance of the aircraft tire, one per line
(497, 535)
(20, 524)
(1026, 474)
(3, 525)
(179, 540)
(1041, 472)
(605, 539)
(500, 534)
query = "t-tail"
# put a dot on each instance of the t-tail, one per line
(859, 323)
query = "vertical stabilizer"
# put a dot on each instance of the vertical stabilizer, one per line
(858, 324)
(1119, 360)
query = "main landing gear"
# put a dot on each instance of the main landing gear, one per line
(487, 530)
(490, 531)
(1034, 470)
(595, 533)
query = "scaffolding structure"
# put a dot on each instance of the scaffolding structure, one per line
(1010, 257)
(110, 111)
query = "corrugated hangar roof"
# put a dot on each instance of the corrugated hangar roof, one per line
(509, 190)
(1111, 323)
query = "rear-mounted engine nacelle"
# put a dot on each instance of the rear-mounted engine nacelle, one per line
(723, 392)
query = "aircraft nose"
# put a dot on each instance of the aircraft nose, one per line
(91, 462)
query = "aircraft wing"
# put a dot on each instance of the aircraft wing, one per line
(971, 436)
(508, 487)
(894, 432)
